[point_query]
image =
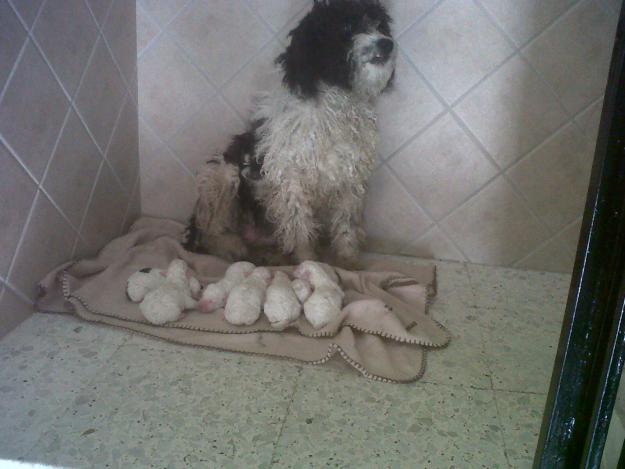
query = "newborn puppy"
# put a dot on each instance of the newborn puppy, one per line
(324, 305)
(215, 294)
(245, 302)
(282, 305)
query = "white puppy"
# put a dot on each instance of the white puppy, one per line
(324, 305)
(282, 305)
(245, 302)
(302, 288)
(215, 294)
(166, 303)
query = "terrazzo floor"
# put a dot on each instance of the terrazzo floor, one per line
(79, 395)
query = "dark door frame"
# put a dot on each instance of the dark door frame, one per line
(592, 343)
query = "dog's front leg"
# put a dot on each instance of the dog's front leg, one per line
(294, 221)
(346, 229)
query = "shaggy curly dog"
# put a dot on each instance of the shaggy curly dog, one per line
(298, 175)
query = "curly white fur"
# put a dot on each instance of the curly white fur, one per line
(281, 305)
(215, 294)
(166, 303)
(319, 155)
(324, 305)
(245, 302)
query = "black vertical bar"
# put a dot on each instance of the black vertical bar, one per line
(589, 353)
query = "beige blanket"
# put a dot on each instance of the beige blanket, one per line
(383, 332)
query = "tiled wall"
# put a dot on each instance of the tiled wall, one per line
(68, 137)
(487, 139)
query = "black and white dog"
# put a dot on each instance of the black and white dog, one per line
(299, 174)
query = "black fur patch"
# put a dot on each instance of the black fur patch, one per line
(320, 45)
(146, 270)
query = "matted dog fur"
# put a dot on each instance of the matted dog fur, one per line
(299, 174)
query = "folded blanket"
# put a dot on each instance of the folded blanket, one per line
(383, 332)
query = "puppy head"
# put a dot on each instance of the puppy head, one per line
(344, 43)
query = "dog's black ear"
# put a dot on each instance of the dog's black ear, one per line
(301, 74)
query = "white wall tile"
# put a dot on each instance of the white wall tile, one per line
(574, 54)
(398, 120)
(12, 36)
(511, 112)
(101, 95)
(524, 19)
(442, 167)
(73, 169)
(17, 187)
(47, 243)
(204, 136)
(455, 46)
(32, 111)
(392, 218)
(554, 177)
(220, 36)
(446, 48)
(437, 245)
(66, 32)
(171, 90)
(494, 227)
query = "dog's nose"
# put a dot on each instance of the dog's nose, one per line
(386, 46)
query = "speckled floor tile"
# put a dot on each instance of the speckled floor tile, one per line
(520, 349)
(338, 421)
(39, 376)
(498, 287)
(464, 360)
(173, 407)
(521, 416)
(66, 326)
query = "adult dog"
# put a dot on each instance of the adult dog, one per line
(299, 174)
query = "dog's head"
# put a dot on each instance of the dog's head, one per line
(344, 43)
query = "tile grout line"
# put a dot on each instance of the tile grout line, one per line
(547, 241)
(431, 219)
(272, 461)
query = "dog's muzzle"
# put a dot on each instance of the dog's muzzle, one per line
(384, 48)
